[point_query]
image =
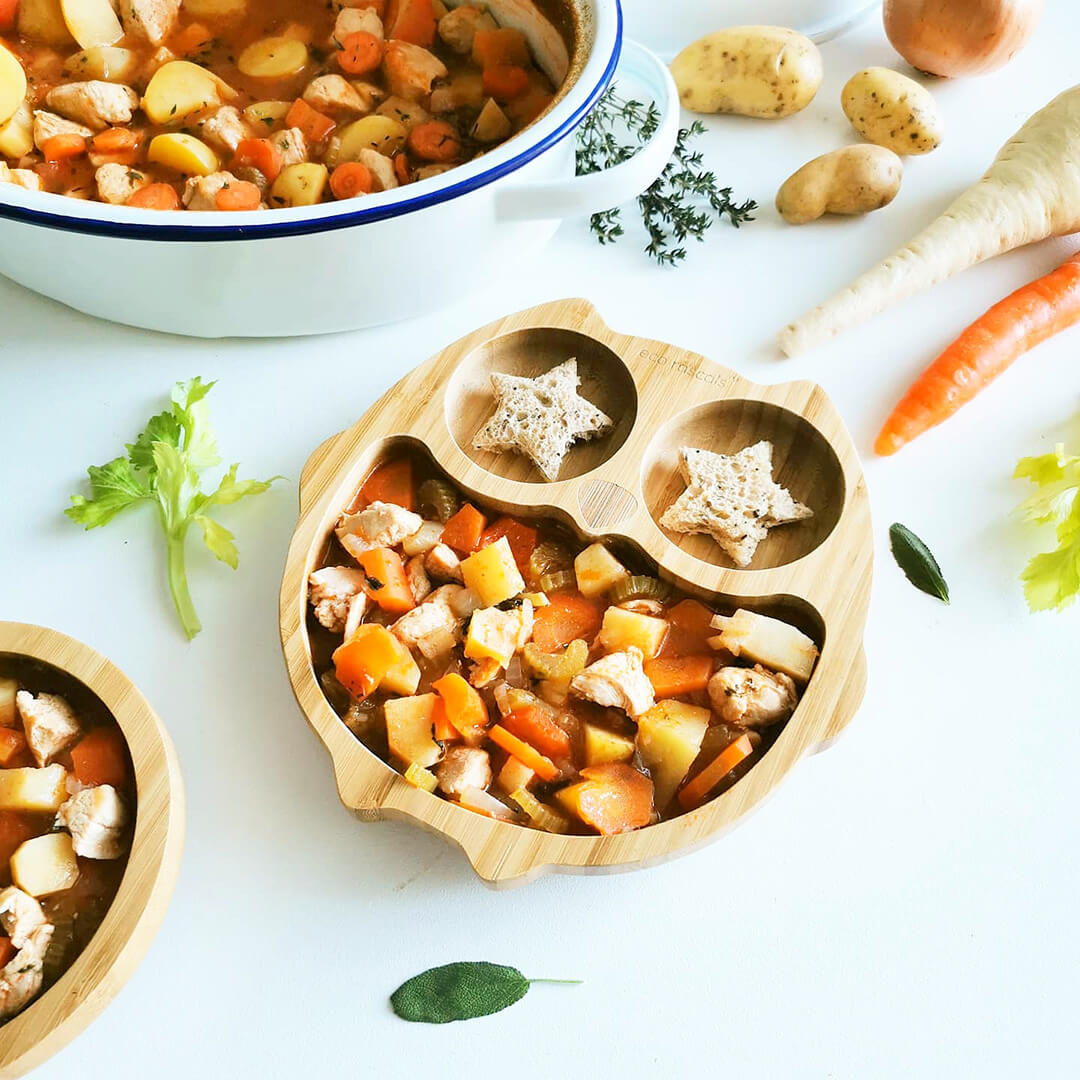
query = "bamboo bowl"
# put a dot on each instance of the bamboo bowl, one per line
(67, 1007)
(816, 574)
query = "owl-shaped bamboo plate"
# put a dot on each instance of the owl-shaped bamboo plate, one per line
(814, 573)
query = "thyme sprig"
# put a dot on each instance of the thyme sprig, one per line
(684, 201)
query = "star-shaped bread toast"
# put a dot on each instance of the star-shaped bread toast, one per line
(541, 418)
(733, 498)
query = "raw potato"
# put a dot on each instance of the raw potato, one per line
(92, 22)
(12, 85)
(762, 71)
(302, 184)
(45, 865)
(105, 62)
(891, 110)
(179, 89)
(852, 180)
(273, 58)
(43, 20)
(184, 153)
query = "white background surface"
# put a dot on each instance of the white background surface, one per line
(904, 905)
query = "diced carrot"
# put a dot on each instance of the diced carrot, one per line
(391, 483)
(544, 767)
(463, 531)
(259, 154)
(364, 660)
(101, 757)
(8, 10)
(515, 775)
(520, 537)
(361, 53)
(314, 124)
(63, 146)
(444, 730)
(350, 179)
(155, 197)
(697, 791)
(411, 20)
(16, 827)
(386, 582)
(504, 82)
(492, 48)
(689, 629)
(239, 195)
(567, 617)
(465, 708)
(538, 729)
(612, 798)
(12, 743)
(191, 40)
(401, 169)
(116, 142)
(673, 676)
(434, 141)
(7, 951)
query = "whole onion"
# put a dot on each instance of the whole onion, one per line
(960, 37)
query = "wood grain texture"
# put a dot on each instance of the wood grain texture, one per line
(815, 573)
(135, 914)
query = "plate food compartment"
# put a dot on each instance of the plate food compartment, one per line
(814, 573)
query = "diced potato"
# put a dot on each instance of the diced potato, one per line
(421, 778)
(180, 89)
(403, 678)
(43, 20)
(597, 570)
(514, 776)
(409, 729)
(770, 642)
(496, 635)
(12, 85)
(110, 63)
(215, 9)
(183, 152)
(381, 133)
(492, 125)
(17, 135)
(622, 628)
(669, 739)
(302, 184)
(603, 746)
(267, 114)
(37, 791)
(45, 864)
(492, 574)
(92, 22)
(273, 58)
(8, 716)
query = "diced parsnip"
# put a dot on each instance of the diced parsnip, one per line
(603, 746)
(302, 184)
(421, 778)
(514, 776)
(597, 570)
(215, 9)
(770, 642)
(404, 677)
(37, 791)
(45, 864)
(423, 540)
(492, 573)
(43, 21)
(484, 803)
(92, 22)
(492, 125)
(8, 716)
(17, 135)
(179, 89)
(669, 739)
(622, 628)
(273, 58)
(409, 726)
(543, 817)
(184, 153)
(379, 133)
(109, 63)
(12, 85)
(267, 114)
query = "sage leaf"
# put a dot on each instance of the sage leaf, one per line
(461, 991)
(917, 562)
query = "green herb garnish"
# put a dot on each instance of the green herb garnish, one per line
(683, 203)
(918, 563)
(462, 991)
(163, 466)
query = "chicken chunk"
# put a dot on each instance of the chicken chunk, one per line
(417, 578)
(752, 697)
(117, 183)
(95, 103)
(154, 20)
(432, 628)
(291, 145)
(330, 591)
(461, 601)
(200, 192)
(21, 978)
(334, 93)
(96, 818)
(224, 129)
(20, 915)
(50, 724)
(462, 768)
(617, 681)
(357, 21)
(457, 28)
(411, 70)
(443, 563)
(378, 525)
(24, 178)
(47, 124)
(381, 168)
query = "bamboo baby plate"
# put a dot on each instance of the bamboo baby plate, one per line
(55, 1017)
(815, 574)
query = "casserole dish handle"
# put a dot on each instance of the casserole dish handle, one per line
(615, 186)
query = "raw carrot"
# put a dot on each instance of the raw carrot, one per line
(7, 951)
(259, 154)
(314, 124)
(612, 798)
(567, 617)
(63, 146)
(12, 743)
(505, 45)
(504, 82)
(520, 537)
(983, 351)
(411, 20)
(538, 729)
(697, 791)
(364, 660)
(101, 757)
(434, 141)
(544, 767)
(391, 483)
(155, 197)
(361, 53)
(239, 195)
(385, 581)
(351, 179)
(465, 708)
(674, 676)
(463, 531)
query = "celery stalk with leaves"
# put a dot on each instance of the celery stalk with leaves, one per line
(163, 467)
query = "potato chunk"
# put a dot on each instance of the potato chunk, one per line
(603, 747)
(12, 85)
(770, 642)
(597, 570)
(45, 864)
(183, 152)
(409, 729)
(180, 89)
(492, 574)
(33, 790)
(622, 628)
(92, 22)
(669, 738)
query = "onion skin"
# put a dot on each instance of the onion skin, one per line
(953, 38)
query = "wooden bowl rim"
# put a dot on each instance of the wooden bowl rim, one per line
(54, 1018)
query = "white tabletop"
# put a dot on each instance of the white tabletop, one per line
(904, 905)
